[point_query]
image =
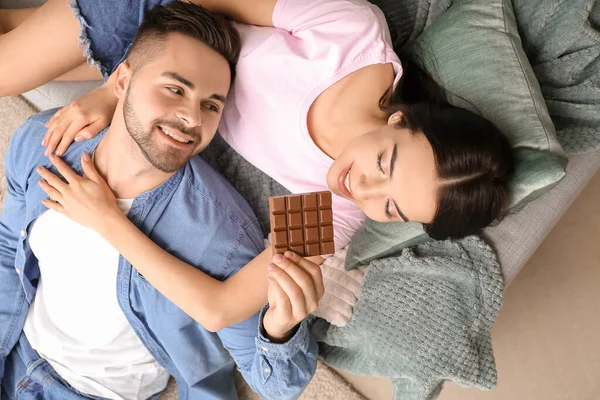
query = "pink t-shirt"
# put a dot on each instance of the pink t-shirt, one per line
(282, 71)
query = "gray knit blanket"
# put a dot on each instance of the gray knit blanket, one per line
(423, 317)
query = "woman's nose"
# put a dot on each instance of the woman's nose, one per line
(369, 188)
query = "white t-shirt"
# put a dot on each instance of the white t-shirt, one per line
(282, 71)
(75, 322)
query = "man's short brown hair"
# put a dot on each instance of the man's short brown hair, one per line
(187, 19)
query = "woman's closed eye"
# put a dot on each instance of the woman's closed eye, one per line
(379, 166)
(388, 214)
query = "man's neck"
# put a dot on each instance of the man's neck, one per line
(121, 163)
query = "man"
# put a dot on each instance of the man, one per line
(65, 332)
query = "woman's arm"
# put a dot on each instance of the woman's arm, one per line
(214, 304)
(83, 118)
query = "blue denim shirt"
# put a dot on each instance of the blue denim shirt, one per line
(196, 216)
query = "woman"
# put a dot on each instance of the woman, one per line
(318, 104)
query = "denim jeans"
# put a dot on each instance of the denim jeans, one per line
(29, 377)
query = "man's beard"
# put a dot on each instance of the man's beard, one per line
(165, 158)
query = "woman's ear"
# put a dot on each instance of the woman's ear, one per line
(123, 77)
(395, 118)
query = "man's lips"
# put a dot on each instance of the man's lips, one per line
(175, 136)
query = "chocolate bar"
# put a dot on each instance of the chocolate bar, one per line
(302, 223)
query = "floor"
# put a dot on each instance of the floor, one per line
(547, 337)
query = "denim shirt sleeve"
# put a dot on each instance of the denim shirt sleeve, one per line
(13, 305)
(274, 371)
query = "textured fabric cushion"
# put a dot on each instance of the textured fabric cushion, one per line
(474, 51)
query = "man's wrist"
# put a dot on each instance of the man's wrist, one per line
(279, 338)
(273, 334)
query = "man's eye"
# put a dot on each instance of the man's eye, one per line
(212, 107)
(175, 90)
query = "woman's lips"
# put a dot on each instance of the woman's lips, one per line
(342, 182)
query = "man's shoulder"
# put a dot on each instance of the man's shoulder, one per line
(33, 129)
(215, 190)
(25, 146)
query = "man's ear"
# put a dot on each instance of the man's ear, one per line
(123, 78)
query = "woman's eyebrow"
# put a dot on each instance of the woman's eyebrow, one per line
(393, 161)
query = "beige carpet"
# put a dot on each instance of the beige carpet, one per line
(326, 385)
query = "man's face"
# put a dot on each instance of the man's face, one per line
(173, 104)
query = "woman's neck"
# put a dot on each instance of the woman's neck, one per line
(350, 108)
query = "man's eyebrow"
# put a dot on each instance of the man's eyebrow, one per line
(179, 78)
(219, 97)
(400, 212)
(393, 161)
(190, 85)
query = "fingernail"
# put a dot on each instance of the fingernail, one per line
(277, 258)
(86, 157)
(38, 169)
(44, 142)
(272, 267)
(58, 153)
(289, 254)
(47, 153)
(78, 138)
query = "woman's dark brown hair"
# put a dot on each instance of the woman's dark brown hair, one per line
(474, 160)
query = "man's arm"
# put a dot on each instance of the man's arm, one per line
(13, 305)
(274, 350)
(274, 371)
(253, 12)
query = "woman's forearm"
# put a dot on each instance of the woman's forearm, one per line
(214, 304)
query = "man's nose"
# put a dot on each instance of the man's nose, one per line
(191, 114)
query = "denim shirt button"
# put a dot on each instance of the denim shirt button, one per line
(18, 271)
(265, 349)
(267, 370)
(23, 233)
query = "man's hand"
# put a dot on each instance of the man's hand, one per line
(295, 288)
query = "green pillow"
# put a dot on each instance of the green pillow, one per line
(474, 51)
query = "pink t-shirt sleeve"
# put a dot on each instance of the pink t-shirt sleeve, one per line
(348, 31)
(299, 15)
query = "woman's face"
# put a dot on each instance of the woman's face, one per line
(389, 173)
